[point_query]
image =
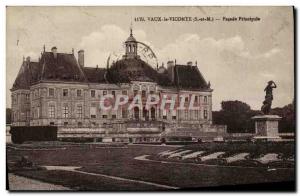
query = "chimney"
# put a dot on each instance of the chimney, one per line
(81, 58)
(190, 63)
(170, 68)
(54, 51)
(28, 59)
(170, 64)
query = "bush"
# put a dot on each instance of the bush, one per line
(33, 133)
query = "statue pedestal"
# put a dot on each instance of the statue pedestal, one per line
(266, 127)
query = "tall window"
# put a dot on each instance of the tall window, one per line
(113, 93)
(93, 111)
(196, 114)
(124, 113)
(174, 114)
(38, 112)
(186, 99)
(196, 99)
(143, 93)
(51, 111)
(93, 93)
(15, 100)
(205, 114)
(79, 93)
(186, 115)
(152, 113)
(205, 99)
(51, 92)
(27, 97)
(14, 115)
(135, 92)
(65, 92)
(164, 114)
(124, 92)
(65, 112)
(36, 93)
(79, 111)
(104, 92)
(27, 115)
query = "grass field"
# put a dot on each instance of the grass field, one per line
(118, 161)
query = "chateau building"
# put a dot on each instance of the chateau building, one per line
(60, 90)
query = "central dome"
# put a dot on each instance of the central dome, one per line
(127, 70)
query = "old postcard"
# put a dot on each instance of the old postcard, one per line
(150, 98)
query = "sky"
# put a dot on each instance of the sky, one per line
(237, 57)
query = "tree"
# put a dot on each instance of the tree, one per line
(236, 115)
(287, 123)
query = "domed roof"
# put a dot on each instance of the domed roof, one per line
(126, 70)
(131, 39)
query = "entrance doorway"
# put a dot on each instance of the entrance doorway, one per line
(152, 113)
(136, 113)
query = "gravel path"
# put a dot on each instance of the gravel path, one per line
(19, 183)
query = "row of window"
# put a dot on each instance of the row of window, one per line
(15, 97)
(197, 99)
(18, 116)
(188, 115)
(93, 92)
(124, 92)
(93, 113)
(79, 93)
(79, 112)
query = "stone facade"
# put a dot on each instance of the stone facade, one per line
(59, 91)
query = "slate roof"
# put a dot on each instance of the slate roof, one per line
(189, 77)
(35, 72)
(65, 68)
(29, 73)
(95, 75)
(22, 81)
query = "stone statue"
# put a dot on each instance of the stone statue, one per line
(268, 98)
